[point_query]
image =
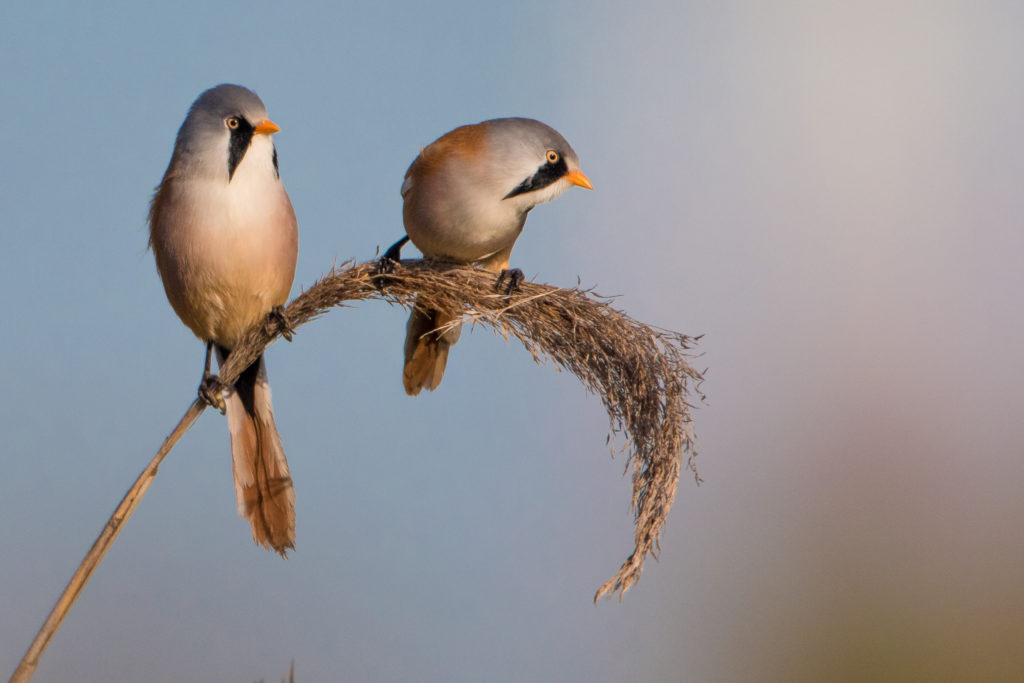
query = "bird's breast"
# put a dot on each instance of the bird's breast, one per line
(226, 251)
(463, 226)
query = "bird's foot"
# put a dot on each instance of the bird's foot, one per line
(394, 252)
(392, 257)
(277, 322)
(515, 278)
(211, 392)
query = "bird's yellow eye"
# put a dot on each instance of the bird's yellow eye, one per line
(553, 156)
(233, 122)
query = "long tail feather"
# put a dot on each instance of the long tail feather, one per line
(426, 350)
(263, 482)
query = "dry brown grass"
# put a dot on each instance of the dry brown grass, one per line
(642, 374)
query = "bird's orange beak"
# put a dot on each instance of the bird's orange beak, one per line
(266, 127)
(577, 178)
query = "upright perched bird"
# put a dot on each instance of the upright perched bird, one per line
(466, 199)
(226, 241)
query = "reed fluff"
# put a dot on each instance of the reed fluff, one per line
(642, 374)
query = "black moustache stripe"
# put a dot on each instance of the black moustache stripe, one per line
(238, 145)
(545, 175)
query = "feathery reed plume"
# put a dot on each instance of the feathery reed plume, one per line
(641, 374)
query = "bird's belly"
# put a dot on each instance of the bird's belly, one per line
(466, 240)
(225, 272)
(237, 292)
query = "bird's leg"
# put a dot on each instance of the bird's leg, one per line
(386, 264)
(209, 358)
(515, 278)
(211, 389)
(391, 256)
(277, 321)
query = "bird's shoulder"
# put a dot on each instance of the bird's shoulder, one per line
(465, 144)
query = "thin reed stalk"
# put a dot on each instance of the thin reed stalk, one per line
(641, 374)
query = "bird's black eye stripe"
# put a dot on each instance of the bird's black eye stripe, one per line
(241, 137)
(545, 175)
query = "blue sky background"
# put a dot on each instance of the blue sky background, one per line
(829, 192)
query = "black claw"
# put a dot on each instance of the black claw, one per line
(211, 392)
(387, 263)
(391, 257)
(211, 389)
(277, 322)
(515, 278)
(394, 252)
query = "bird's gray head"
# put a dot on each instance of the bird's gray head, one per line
(541, 164)
(220, 128)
